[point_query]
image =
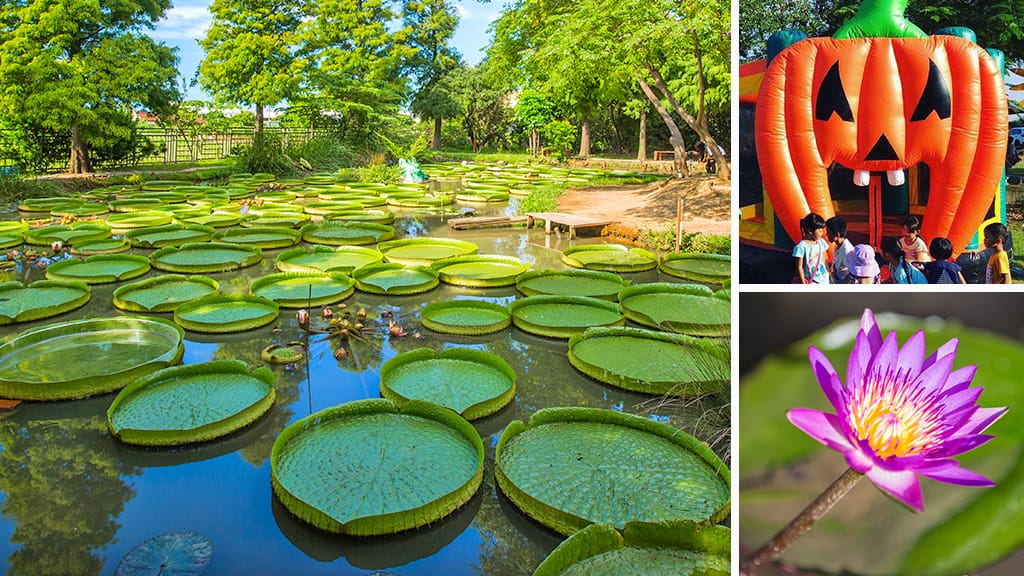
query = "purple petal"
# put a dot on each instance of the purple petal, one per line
(935, 378)
(959, 400)
(860, 358)
(821, 426)
(982, 419)
(827, 378)
(858, 460)
(958, 445)
(911, 357)
(900, 484)
(960, 379)
(885, 359)
(947, 349)
(950, 472)
(869, 327)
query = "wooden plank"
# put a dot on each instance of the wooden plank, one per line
(484, 221)
(572, 221)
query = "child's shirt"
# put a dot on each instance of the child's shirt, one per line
(905, 273)
(814, 262)
(841, 266)
(998, 264)
(942, 272)
(911, 250)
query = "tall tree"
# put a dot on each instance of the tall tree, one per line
(78, 66)
(431, 25)
(483, 103)
(252, 53)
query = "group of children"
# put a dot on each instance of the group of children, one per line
(826, 256)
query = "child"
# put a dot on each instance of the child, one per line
(900, 271)
(914, 249)
(835, 231)
(863, 266)
(998, 269)
(811, 267)
(942, 270)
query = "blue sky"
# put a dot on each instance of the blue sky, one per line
(188, 20)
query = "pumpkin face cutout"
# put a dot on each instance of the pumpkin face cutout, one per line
(884, 104)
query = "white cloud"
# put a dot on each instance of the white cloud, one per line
(183, 23)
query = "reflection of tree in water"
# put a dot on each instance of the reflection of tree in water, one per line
(64, 492)
(505, 550)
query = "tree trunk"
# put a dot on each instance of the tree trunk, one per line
(436, 144)
(534, 142)
(79, 162)
(259, 122)
(585, 139)
(641, 149)
(676, 137)
(701, 129)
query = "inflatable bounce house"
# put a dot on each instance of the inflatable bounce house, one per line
(878, 122)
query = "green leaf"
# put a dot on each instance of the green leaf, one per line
(465, 317)
(563, 316)
(572, 282)
(425, 251)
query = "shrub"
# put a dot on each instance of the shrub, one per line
(379, 172)
(323, 153)
(265, 155)
(543, 199)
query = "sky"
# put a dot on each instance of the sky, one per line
(189, 19)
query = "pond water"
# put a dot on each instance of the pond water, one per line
(74, 500)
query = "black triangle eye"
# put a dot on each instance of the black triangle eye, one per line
(935, 97)
(832, 98)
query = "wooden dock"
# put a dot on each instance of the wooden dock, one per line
(472, 222)
(570, 221)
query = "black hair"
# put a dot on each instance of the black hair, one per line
(891, 246)
(940, 248)
(912, 223)
(836, 226)
(811, 222)
(994, 230)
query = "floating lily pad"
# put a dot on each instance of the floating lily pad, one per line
(40, 299)
(484, 271)
(163, 293)
(168, 235)
(135, 204)
(395, 279)
(83, 232)
(327, 468)
(221, 314)
(682, 308)
(609, 258)
(123, 221)
(325, 207)
(108, 246)
(338, 233)
(466, 317)
(170, 554)
(470, 382)
(651, 362)
(481, 195)
(563, 316)
(99, 269)
(84, 357)
(47, 204)
(572, 282)
(85, 210)
(10, 239)
(191, 403)
(276, 219)
(301, 289)
(264, 236)
(377, 216)
(425, 251)
(205, 257)
(214, 219)
(710, 268)
(284, 353)
(327, 259)
(618, 468)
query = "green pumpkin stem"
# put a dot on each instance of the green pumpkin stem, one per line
(880, 19)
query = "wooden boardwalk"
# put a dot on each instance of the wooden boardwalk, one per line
(471, 222)
(571, 221)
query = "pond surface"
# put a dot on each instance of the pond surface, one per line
(74, 500)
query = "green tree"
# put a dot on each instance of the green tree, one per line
(78, 67)
(252, 56)
(483, 103)
(431, 25)
(533, 112)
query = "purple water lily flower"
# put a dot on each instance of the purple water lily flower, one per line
(900, 414)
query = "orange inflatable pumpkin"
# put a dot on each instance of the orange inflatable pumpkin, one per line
(884, 104)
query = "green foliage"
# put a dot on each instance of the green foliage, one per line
(266, 154)
(664, 240)
(560, 136)
(324, 152)
(534, 110)
(543, 199)
(431, 25)
(379, 172)
(14, 188)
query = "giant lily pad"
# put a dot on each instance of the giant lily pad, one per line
(123, 221)
(682, 308)
(327, 259)
(10, 239)
(220, 314)
(81, 232)
(84, 357)
(170, 554)
(106, 246)
(572, 282)
(609, 258)
(40, 299)
(371, 467)
(465, 317)
(710, 268)
(563, 316)
(168, 235)
(425, 251)
(377, 216)
(302, 289)
(205, 257)
(651, 362)
(621, 468)
(337, 233)
(479, 270)
(191, 403)
(470, 382)
(99, 269)
(163, 293)
(215, 219)
(264, 236)
(48, 203)
(395, 279)
(276, 219)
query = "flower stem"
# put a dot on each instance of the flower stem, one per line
(797, 526)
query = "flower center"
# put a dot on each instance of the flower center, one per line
(896, 417)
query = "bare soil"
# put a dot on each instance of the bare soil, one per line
(706, 204)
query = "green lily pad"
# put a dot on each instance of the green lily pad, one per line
(47, 204)
(284, 353)
(124, 221)
(107, 246)
(376, 216)
(470, 382)
(482, 271)
(425, 251)
(338, 233)
(418, 200)
(482, 196)
(135, 204)
(609, 258)
(170, 554)
(11, 239)
(163, 293)
(83, 211)
(221, 314)
(395, 279)
(325, 207)
(40, 299)
(302, 289)
(168, 235)
(85, 357)
(205, 257)
(214, 219)
(327, 259)
(651, 362)
(191, 403)
(265, 237)
(79, 232)
(681, 308)
(621, 468)
(710, 268)
(99, 269)
(276, 219)
(572, 282)
(466, 317)
(371, 467)
(563, 316)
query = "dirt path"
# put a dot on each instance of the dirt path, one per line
(653, 206)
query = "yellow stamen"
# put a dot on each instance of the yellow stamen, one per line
(893, 417)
